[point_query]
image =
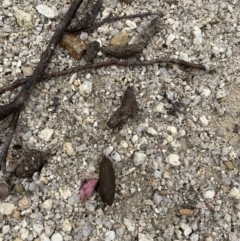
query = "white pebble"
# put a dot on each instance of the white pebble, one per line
(159, 107)
(220, 93)
(139, 158)
(24, 233)
(47, 204)
(43, 237)
(172, 129)
(209, 194)
(234, 193)
(124, 144)
(170, 38)
(151, 131)
(204, 120)
(131, 24)
(186, 229)
(6, 208)
(206, 92)
(67, 226)
(68, 148)
(47, 11)
(173, 159)
(115, 156)
(134, 138)
(109, 235)
(6, 3)
(145, 237)
(217, 50)
(56, 237)
(130, 224)
(38, 228)
(45, 134)
(24, 19)
(85, 88)
(198, 35)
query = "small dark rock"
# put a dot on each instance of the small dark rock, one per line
(4, 190)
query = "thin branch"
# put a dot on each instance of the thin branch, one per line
(6, 144)
(36, 77)
(72, 70)
(113, 19)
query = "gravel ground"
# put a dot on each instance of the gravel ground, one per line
(176, 162)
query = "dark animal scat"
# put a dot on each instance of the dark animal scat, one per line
(127, 109)
(121, 52)
(107, 184)
(91, 52)
(33, 161)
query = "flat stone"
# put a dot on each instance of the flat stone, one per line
(57, 237)
(234, 193)
(198, 35)
(170, 39)
(186, 229)
(120, 39)
(173, 160)
(151, 131)
(204, 120)
(6, 208)
(27, 71)
(6, 3)
(85, 88)
(109, 235)
(38, 228)
(47, 204)
(159, 107)
(24, 203)
(18, 188)
(229, 165)
(68, 148)
(23, 19)
(139, 158)
(145, 237)
(67, 226)
(172, 130)
(209, 194)
(45, 134)
(47, 11)
(131, 24)
(129, 224)
(43, 237)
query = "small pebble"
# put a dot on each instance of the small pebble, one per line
(47, 11)
(173, 159)
(139, 158)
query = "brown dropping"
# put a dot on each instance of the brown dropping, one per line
(229, 165)
(186, 212)
(107, 184)
(91, 52)
(4, 190)
(127, 109)
(74, 45)
(33, 161)
(123, 52)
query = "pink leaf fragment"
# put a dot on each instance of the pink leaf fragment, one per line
(87, 189)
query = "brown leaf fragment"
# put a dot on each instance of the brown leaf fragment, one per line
(186, 212)
(74, 45)
(107, 184)
(127, 109)
(33, 161)
(91, 52)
